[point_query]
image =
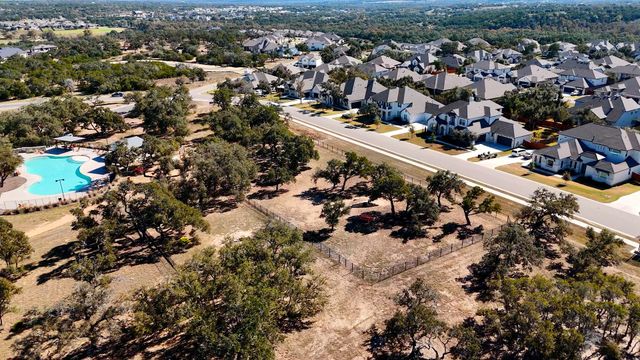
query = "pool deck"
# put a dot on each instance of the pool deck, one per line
(94, 168)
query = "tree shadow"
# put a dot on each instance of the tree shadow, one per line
(266, 194)
(318, 196)
(316, 236)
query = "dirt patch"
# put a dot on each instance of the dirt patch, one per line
(12, 183)
(375, 245)
(339, 331)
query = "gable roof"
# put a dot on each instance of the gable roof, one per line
(533, 74)
(611, 137)
(7, 52)
(384, 61)
(472, 110)
(400, 73)
(608, 108)
(509, 128)
(566, 149)
(402, 95)
(490, 89)
(612, 61)
(357, 89)
(345, 60)
(444, 81)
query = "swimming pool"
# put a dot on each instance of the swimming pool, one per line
(52, 168)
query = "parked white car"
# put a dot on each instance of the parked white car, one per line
(517, 152)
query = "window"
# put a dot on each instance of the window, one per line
(614, 151)
(549, 162)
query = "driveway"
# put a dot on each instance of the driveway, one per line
(592, 212)
(482, 148)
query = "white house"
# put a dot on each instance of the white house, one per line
(306, 84)
(487, 68)
(602, 153)
(615, 110)
(309, 61)
(482, 118)
(393, 102)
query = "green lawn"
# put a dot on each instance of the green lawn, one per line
(273, 97)
(94, 31)
(420, 141)
(318, 108)
(361, 121)
(588, 189)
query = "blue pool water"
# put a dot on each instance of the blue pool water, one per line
(51, 168)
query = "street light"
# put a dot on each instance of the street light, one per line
(59, 181)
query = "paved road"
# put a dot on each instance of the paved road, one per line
(591, 211)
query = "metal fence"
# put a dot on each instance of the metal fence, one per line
(377, 275)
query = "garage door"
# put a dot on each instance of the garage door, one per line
(503, 140)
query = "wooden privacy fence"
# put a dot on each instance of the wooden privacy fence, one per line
(377, 275)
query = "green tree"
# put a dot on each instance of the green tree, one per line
(157, 151)
(470, 205)
(353, 166)
(387, 183)
(237, 304)
(444, 184)
(222, 97)
(413, 329)
(9, 161)
(216, 169)
(603, 249)
(331, 173)
(14, 244)
(164, 110)
(545, 216)
(7, 291)
(510, 249)
(332, 211)
(121, 158)
(103, 121)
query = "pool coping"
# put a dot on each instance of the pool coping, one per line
(13, 198)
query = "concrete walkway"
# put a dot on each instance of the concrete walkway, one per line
(591, 212)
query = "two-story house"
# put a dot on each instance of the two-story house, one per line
(309, 61)
(353, 93)
(615, 110)
(601, 153)
(393, 102)
(487, 68)
(308, 84)
(482, 118)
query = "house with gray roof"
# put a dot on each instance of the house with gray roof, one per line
(489, 89)
(7, 52)
(531, 76)
(345, 60)
(616, 110)
(483, 118)
(421, 63)
(487, 68)
(307, 85)
(254, 79)
(354, 93)
(593, 77)
(601, 153)
(625, 72)
(629, 88)
(401, 73)
(395, 104)
(611, 61)
(444, 81)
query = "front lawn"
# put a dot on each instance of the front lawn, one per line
(320, 109)
(275, 97)
(583, 187)
(363, 122)
(419, 140)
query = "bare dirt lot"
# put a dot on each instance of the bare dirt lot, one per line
(339, 331)
(376, 245)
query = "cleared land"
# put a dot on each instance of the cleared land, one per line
(588, 189)
(363, 122)
(102, 30)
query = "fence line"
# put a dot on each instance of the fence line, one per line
(374, 275)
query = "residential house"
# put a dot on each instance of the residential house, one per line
(489, 89)
(385, 62)
(254, 79)
(320, 42)
(531, 76)
(453, 62)
(526, 44)
(616, 110)
(479, 42)
(40, 49)
(438, 43)
(593, 78)
(421, 63)
(394, 104)
(629, 88)
(483, 118)
(625, 72)
(373, 70)
(611, 61)
(307, 85)
(601, 153)
(479, 55)
(443, 81)
(354, 93)
(264, 44)
(600, 45)
(309, 61)
(345, 60)
(543, 63)
(487, 68)
(509, 56)
(7, 52)
(401, 73)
